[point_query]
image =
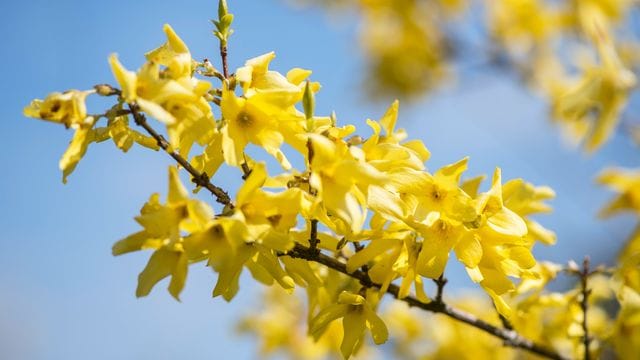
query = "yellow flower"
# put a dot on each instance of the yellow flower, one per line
(625, 335)
(391, 253)
(357, 313)
(433, 196)
(66, 108)
(385, 152)
(123, 136)
(163, 225)
(76, 150)
(591, 108)
(174, 54)
(523, 24)
(279, 325)
(504, 251)
(417, 335)
(555, 319)
(69, 109)
(171, 95)
(341, 182)
(253, 120)
(439, 239)
(212, 158)
(406, 49)
(265, 114)
(184, 231)
(627, 183)
(526, 199)
(255, 78)
(271, 214)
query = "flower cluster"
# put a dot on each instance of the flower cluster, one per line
(360, 218)
(410, 45)
(415, 218)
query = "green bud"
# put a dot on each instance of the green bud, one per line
(222, 9)
(105, 90)
(308, 101)
(225, 22)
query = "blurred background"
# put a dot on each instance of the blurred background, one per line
(62, 294)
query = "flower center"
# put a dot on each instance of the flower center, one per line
(244, 119)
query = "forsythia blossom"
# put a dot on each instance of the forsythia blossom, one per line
(361, 215)
(417, 217)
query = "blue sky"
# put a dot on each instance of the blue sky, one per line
(65, 297)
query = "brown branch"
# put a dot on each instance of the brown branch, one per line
(246, 170)
(584, 276)
(441, 281)
(510, 337)
(223, 57)
(200, 179)
(313, 235)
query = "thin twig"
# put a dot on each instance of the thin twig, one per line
(441, 281)
(313, 235)
(505, 322)
(246, 170)
(200, 179)
(510, 337)
(223, 58)
(357, 246)
(584, 276)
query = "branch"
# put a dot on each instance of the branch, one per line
(584, 275)
(200, 179)
(441, 281)
(313, 236)
(510, 337)
(223, 57)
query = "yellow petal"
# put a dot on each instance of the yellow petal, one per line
(134, 242)
(157, 111)
(126, 79)
(522, 256)
(227, 284)
(255, 181)
(387, 204)
(501, 305)
(472, 185)
(433, 258)
(378, 328)
(319, 323)
(179, 276)
(508, 223)
(163, 263)
(389, 119)
(174, 40)
(177, 192)
(469, 250)
(373, 249)
(354, 324)
(350, 298)
(76, 150)
(496, 281)
(452, 172)
(297, 75)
